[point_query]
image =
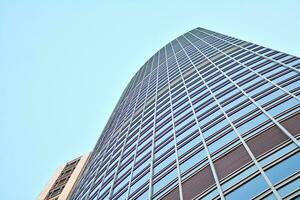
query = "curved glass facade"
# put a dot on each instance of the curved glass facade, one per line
(207, 117)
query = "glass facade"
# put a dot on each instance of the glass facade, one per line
(208, 116)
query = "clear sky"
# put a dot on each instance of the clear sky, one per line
(64, 64)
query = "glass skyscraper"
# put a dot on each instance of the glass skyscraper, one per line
(208, 116)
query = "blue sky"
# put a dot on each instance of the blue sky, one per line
(64, 64)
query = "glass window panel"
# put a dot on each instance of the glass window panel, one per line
(185, 122)
(142, 167)
(289, 188)
(229, 94)
(163, 138)
(283, 106)
(103, 190)
(202, 101)
(147, 141)
(210, 117)
(164, 181)
(212, 195)
(242, 112)
(293, 85)
(235, 102)
(182, 114)
(222, 141)
(189, 145)
(139, 183)
(270, 97)
(122, 184)
(121, 173)
(144, 153)
(233, 181)
(248, 189)
(192, 161)
(215, 128)
(123, 196)
(273, 71)
(168, 146)
(252, 123)
(244, 77)
(284, 169)
(260, 89)
(250, 83)
(237, 73)
(295, 62)
(186, 133)
(224, 88)
(284, 77)
(164, 163)
(143, 196)
(277, 154)
(270, 197)
(162, 129)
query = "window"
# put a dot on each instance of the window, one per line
(283, 106)
(170, 144)
(222, 141)
(270, 97)
(218, 126)
(139, 183)
(277, 154)
(293, 85)
(186, 131)
(144, 166)
(284, 169)
(143, 196)
(248, 189)
(122, 184)
(284, 77)
(252, 123)
(216, 113)
(192, 161)
(164, 181)
(290, 187)
(260, 89)
(233, 181)
(189, 145)
(164, 163)
(244, 111)
(235, 102)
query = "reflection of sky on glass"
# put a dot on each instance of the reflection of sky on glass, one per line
(64, 65)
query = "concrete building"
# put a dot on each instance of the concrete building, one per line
(63, 180)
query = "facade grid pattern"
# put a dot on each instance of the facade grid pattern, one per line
(208, 116)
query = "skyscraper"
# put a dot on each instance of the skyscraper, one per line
(208, 116)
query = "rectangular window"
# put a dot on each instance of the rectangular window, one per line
(221, 142)
(284, 169)
(249, 189)
(192, 161)
(164, 181)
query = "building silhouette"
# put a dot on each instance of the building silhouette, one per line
(208, 116)
(60, 185)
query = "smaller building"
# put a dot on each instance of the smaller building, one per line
(63, 180)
